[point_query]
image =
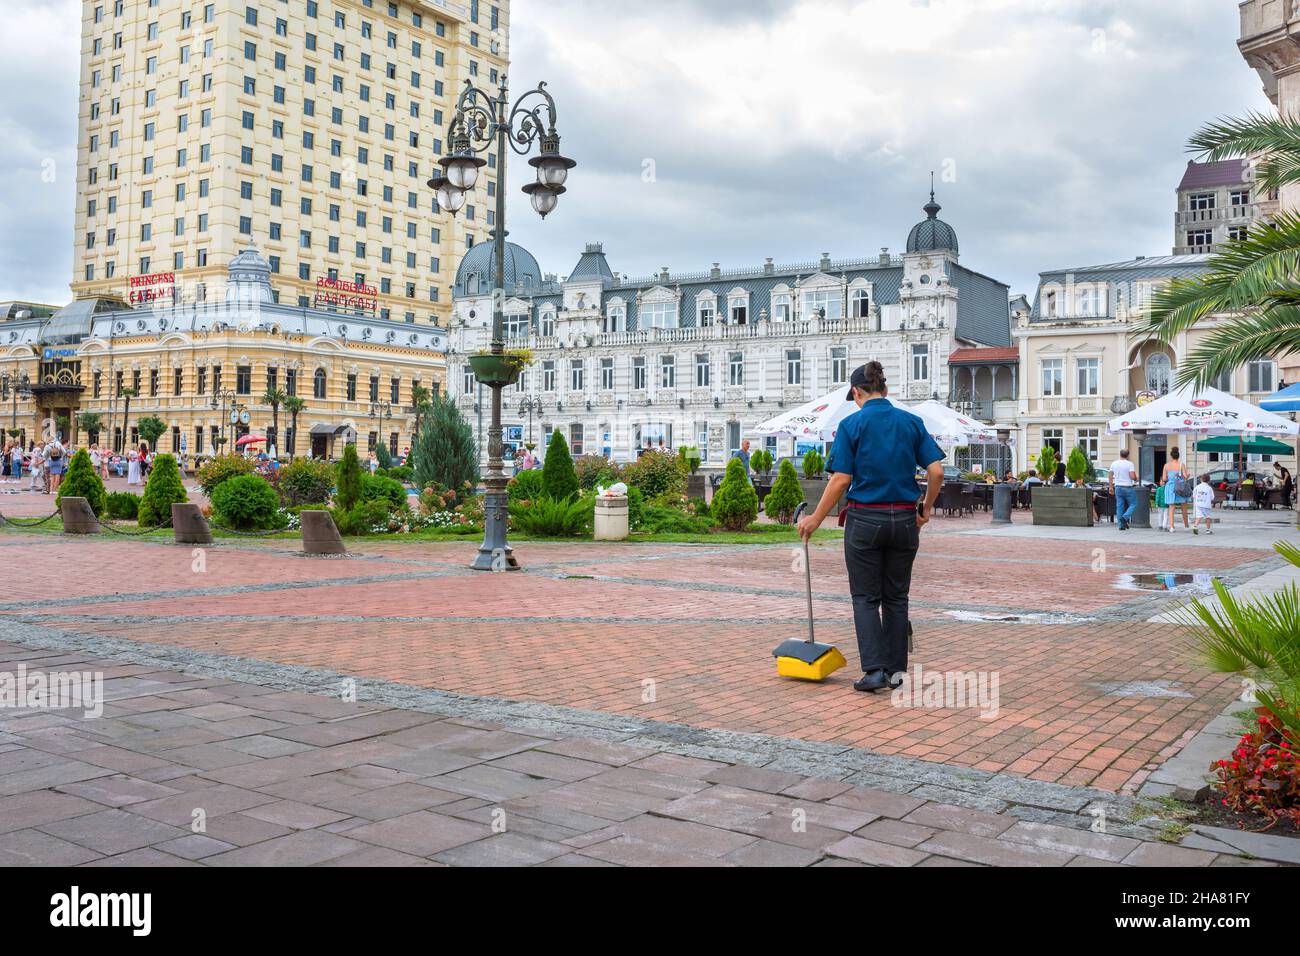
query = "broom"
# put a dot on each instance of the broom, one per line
(807, 660)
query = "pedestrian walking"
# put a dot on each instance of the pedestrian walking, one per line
(1123, 487)
(743, 454)
(55, 462)
(1203, 505)
(133, 466)
(16, 461)
(1178, 487)
(37, 465)
(874, 459)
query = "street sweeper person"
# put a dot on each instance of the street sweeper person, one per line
(876, 454)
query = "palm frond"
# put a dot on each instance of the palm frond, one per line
(1256, 335)
(1273, 138)
(1243, 274)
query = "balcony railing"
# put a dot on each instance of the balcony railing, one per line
(1189, 217)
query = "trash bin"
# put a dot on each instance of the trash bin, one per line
(611, 518)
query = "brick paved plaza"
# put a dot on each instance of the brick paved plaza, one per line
(618, 702)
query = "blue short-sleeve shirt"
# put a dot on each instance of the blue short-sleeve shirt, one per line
(881, 446)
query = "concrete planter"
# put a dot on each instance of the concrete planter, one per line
(611, 518)
(695, 485)
(1062, 506)
(78, 516)
(813, 489)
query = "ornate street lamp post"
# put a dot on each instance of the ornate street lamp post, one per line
(530, 407)
(223, 398)
(385, 411)
(483, 121)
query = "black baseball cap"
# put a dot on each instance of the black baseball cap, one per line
(858, 380)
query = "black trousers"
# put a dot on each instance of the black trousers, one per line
(879, 548)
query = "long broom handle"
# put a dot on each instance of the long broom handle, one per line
(807, 572)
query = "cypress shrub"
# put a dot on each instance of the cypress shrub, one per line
(383, 456)
(735, 506)
(123, 506)
(813, 464)
(445, 454)
(160, 491)
(348, 492)
(786, 494)
(379, 488)
(82, 482)
(559, 478)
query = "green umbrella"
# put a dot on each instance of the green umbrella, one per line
(1255, 446)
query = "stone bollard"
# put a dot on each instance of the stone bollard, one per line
(611, 518)
(320, 535)
(188, 524)
(1002, 498)
(78, 518)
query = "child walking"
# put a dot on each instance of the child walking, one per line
(1203, 503)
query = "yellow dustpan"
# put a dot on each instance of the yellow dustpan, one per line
(807, 660)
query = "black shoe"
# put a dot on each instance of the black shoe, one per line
(873, 681)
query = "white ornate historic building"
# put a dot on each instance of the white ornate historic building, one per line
(702, 359)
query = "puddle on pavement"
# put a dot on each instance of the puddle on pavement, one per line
(975, 617)
(1140, 688)
(1171, 582)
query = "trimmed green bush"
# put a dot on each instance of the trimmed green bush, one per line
(786, 494)
(348, 492)
(161, 490)
(245, 503)
(526, 486)
(658, 475)
(1077, 466)
(559, 478)
(554, 518)
(445, 453)
(814, 464)
(401, 472)
(736, 503)
(379, 488)
(82, 482)
(364, 518)
(761, 461)
(1046, 464)
(635, 508)
(305, 481)
(222, 468)
(659, 520)
(123, 506)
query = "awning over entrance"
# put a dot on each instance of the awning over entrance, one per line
(332, 431)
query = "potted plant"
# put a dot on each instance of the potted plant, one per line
(1062, 505)
(813, 480)
(499, 369)
(691, 457)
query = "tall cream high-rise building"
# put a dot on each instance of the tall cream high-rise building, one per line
(308, 127)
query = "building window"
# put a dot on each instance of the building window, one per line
(1053, 377)
(318, 383)
(659, 315)
(1200, 238)
(1200, 201)
(667, 371)
(706, 312)
(839, 366)
(702, 370)
(548, 376)
(1261, 376)
(861, 304)
(1089, 376)
(793, 367)
(352, 388)
(638, 373)
(1160, 374)
(920, 363)
(577, 375)
(1089, 439)
(607, 375)
(826, 304)
(243, 380)
(575, 439)
(736, 368)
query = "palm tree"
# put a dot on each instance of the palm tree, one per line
(1254, 281)
(275, 398)
(293, 405)
(92, 423)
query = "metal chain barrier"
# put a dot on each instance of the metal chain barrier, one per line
(246, 534)
(135, 534)
(6, 520)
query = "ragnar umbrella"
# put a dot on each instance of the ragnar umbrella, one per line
(819, 419)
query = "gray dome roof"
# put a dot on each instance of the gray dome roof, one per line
(522, 270)
(932, 234)
(249, 278)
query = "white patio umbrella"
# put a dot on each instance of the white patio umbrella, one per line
(1203, 412)
(819, 419)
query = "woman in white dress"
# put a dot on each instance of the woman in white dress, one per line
(96, 460)
(132, 467)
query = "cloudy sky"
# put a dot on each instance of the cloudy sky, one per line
(732, 130)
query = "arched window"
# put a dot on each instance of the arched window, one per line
(548, 324)
(1160, 373)
(318, 384)
(861, 303)
(472, 284)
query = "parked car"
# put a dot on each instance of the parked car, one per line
(1230, 476)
